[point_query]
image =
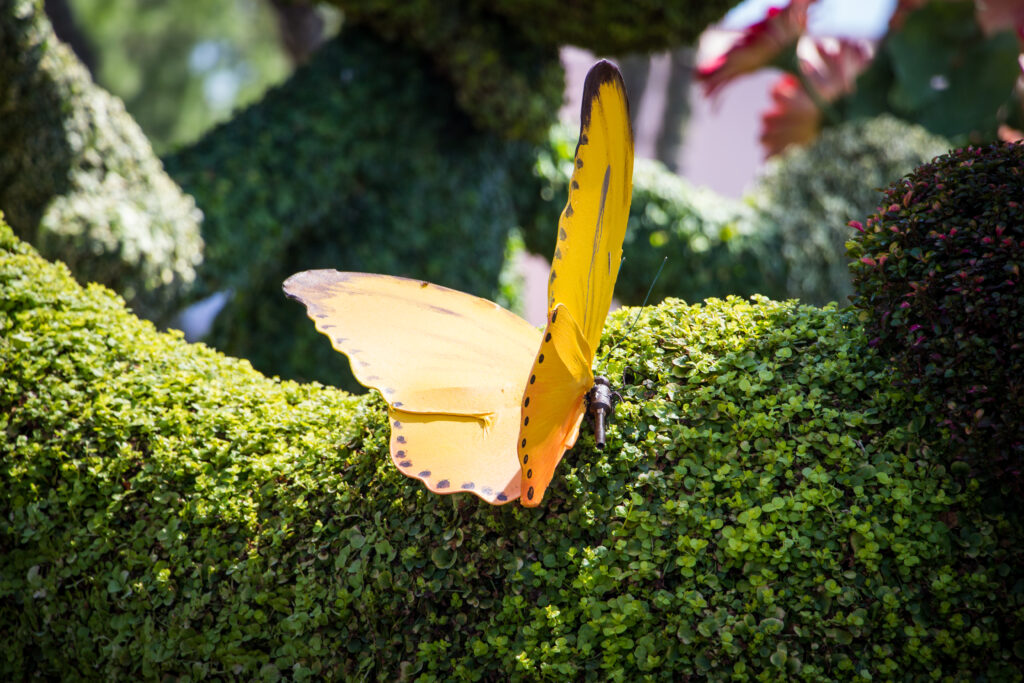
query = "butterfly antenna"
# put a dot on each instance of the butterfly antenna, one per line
(640, 310)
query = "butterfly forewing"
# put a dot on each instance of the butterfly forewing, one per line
(553, 403)
(426, 348)
(592, 225)
(582, 280)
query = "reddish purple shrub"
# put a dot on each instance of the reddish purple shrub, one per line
(938, 269)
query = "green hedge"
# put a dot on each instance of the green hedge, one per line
(713, 244)
(361, 161)
(78, 178)
(765, 510)
(807, 196)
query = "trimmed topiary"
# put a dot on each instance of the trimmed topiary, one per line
(765, 509)
(78, 178)
(938, 276)
(361, 161)
(807, 196)
(711, 242)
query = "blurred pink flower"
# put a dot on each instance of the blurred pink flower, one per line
(757, 47)
(830, 66)
(792, 119)
(1000, 15)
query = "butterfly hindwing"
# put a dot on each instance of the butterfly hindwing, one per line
(553, 403)
(453, 454)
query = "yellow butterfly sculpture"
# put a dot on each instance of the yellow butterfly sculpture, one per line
(480, 400)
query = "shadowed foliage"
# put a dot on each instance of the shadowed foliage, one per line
(78, 178)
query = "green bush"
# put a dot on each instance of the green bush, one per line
(710, 241)
(765, 509)
(361, 161)
(938, 275)
(809, 194)
(78, 178)
(501, 59)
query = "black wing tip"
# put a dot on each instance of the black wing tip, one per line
(601, 73)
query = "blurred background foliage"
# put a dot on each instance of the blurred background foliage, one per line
(181, 67)
(808, 195)
(297, 160)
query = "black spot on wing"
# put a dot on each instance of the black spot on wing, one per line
(568, 212)
(468, 486)
(562, 234)
(502, 497)
(443, 484)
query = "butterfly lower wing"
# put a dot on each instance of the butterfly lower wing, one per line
(456, 454)
(593, 224)
(553, 403)
(426, 348)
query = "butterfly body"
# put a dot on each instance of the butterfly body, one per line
(601, 400)
(479, 400)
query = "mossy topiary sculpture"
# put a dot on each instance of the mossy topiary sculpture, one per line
(938, 276)
(765, 508)
(78, 178)
(501, 58)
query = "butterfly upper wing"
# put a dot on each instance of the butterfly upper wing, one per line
(426, 348)
(451, 366)
(553, 402)
(583, 273)
(593, 224)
